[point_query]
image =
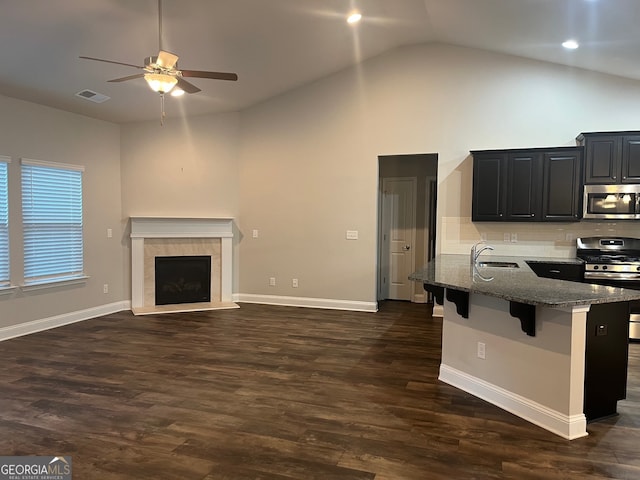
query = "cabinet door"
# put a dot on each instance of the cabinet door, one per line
(606, 359)
(562, 191)
(524, 180)
(631, 159)
(602, 164)
(488, 187)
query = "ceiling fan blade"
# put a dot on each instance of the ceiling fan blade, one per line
(130, 77)
(166, 59)
(111, 61)
(214, 75)
(186, 86)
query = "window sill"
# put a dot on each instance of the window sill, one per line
(7, 289)
(52, 283)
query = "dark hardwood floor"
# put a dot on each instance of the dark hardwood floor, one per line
(279, 393)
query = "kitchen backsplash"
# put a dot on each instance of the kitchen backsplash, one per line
(458, 234)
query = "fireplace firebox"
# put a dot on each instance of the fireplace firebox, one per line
(182, 279)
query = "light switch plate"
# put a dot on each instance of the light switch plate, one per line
(352, 234)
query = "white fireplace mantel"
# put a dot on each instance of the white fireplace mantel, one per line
(173, 227)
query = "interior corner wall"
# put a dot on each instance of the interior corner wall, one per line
(187, 167)
(309, 157)
(33, 131)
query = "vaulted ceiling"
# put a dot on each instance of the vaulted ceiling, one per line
(277, 45)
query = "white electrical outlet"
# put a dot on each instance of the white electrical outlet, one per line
(255, 233)
(109, 233)
(105, 288)
(352, 235)
(514, 238)
(272, 281)
(481, 350)
(294, 283)
(483, 237)
(507, 237)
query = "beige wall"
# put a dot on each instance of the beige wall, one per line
(32, 131)
(309, 158)
(186, 168)
(302, 168)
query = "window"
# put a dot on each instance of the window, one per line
(4, 223)
(52, 221)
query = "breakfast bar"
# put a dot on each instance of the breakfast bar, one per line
(553, 352)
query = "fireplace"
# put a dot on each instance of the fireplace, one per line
(153, 237)
(183, 279)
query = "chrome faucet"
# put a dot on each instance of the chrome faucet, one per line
(475, 253)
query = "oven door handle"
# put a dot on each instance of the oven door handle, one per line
(618, 277)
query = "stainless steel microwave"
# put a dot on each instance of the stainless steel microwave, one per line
(612, 202)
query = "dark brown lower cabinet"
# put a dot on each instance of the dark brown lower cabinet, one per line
(607, 357)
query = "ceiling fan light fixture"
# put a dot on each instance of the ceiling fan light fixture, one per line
(177, 92)
(354, 17)
(160, 82)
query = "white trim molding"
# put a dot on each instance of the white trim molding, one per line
(13, 331)
(307, 302)
(569, 427)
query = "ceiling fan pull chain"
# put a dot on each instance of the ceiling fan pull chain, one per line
(162, 114)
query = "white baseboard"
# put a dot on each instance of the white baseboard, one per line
(306, 302)
(420, 298)
(438, 310)
(34, 326)
(569, 427)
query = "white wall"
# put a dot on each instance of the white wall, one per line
(33, 131)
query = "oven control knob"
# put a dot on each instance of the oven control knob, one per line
(604, 267)
(596, 267)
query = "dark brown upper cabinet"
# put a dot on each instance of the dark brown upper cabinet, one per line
(527, 185)
(611, 157)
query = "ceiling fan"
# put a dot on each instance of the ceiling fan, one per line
(162, 73)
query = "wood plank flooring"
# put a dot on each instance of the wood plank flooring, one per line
(279, 393)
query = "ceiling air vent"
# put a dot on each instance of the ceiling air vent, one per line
(92, 96)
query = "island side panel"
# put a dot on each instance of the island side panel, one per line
(539, 378)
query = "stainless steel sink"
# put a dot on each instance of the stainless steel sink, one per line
(498, 264)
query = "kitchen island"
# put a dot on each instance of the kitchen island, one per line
(519, 341)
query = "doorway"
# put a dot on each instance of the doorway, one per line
(406, 224)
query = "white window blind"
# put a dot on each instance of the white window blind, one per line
(52, 221)
(4, 222)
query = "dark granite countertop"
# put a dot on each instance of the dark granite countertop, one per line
(517, 284)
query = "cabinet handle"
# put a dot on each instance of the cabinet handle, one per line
(533, 214)
(554, 271)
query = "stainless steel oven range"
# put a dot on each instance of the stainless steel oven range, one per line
(613, 261)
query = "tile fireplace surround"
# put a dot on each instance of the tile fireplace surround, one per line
(160, 236)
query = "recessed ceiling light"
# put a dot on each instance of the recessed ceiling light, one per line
(354, 17)
(570, 44)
